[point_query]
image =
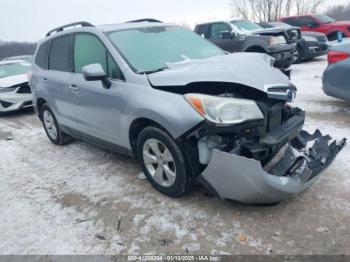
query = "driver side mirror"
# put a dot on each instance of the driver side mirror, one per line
(227, 35)
(95, 72)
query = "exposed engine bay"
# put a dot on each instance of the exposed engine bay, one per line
(276, 146)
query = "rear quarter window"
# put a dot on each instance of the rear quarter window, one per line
(42, 56)
(61, 54)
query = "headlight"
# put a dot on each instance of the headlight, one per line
(309, 38)
(277, 40)
(223, 110)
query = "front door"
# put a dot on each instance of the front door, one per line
(98, 110)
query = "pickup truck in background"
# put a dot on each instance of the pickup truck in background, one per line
(245, 36)
(319, 23)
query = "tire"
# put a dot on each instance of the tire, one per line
(333, 36)
(162, 162)
(298, 55)
(52, 128)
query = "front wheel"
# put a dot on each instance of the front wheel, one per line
(298, 55)
(52, 128)
(162, 162)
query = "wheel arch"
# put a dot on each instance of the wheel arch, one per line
(334, 33)
(136, 126)
(39, 104)
(255, 49)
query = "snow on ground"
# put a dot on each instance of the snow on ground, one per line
(79, 199)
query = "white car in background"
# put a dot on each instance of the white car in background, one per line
(15, 92)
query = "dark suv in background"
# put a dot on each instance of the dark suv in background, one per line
(245, 36)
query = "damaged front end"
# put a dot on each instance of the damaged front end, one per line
(263, 161)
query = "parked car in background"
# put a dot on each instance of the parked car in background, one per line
(188, 111)
(27, 58)
(15, 92)
(245, 36)
(309, 44)
(319, 23)
(336, 78)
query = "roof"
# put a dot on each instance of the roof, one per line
(123, 26)
(85, 26)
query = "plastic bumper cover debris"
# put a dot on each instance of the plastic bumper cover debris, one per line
(241, 179)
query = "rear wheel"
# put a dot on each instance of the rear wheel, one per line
(52, 128)
(162, 162)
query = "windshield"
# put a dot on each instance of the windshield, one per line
(153, 48)
(12, 69)
(324, 19)
(245, 25)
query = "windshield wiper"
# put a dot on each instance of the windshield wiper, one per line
(152, 71)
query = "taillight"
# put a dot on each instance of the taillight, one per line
(336, 56)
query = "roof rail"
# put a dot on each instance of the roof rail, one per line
(61, 28)
(150, 20)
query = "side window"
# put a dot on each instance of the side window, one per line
(218, 28)
(42, 56)
(88, 49)
(113, 69)
(60, 55)
(203, 30)
(306, 21)
(291, 21)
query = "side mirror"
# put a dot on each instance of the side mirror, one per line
(95, 72)
(226, 35)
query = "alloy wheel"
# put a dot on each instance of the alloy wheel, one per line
(159, 162)
(50, 125)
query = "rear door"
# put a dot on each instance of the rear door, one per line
(98, 110)
(57, 77)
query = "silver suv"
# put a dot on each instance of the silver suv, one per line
(188, 111)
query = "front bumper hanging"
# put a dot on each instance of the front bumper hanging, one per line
(292, 170)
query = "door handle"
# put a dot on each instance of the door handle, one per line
(74, 88)
(45, 80)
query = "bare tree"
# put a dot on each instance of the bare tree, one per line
(16, 48)
(339, 12)
(271, 10)
(306, 6)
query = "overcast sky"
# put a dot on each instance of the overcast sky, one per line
(29, 20)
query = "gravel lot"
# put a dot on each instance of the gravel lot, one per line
(79, 199)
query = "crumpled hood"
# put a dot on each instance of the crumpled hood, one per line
(13, 80)
(249, 69)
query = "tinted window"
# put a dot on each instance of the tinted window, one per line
(203, 30)
(306, 21)
(42, 56)
(88, 49)
(291, 21)
(218, 28)
(60, 54)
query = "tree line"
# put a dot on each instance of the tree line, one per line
(271, 10)
(8, 49)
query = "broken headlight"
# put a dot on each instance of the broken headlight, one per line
(223, 110)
